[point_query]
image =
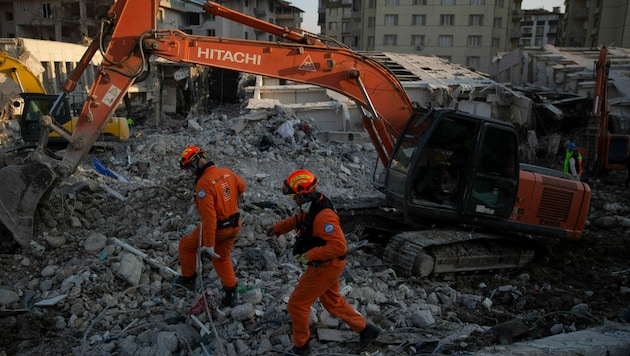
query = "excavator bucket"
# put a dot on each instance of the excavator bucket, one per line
(23, 185)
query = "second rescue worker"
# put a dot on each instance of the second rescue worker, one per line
(217, 193)
(321, 245)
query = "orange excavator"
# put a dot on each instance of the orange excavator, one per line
(606, 149)
(482, 204)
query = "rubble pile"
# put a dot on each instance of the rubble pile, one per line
(98, 277)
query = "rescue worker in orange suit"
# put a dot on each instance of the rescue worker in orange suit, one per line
(321, 245)
(217, 194)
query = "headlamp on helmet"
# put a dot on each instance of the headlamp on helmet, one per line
(190, 156)
(300, 182)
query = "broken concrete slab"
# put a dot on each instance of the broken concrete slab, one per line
(610, 339)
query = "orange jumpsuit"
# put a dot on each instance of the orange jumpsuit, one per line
(216, 197)
(321, 280)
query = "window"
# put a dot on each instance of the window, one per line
(350, 41)
(499, 3)
(26, 7)
(211, 32)
(391, 20)
(332, 26)
(477, 2)
(448, 2)
(445, 41)
(419, 20)
(540, 30)
(417, 40)
(390, 40)
(346, 12)
(333, 11)
(497, 23)
(474, 41)
(46, 10)
(346, 26)
(391, 2)
(475, 20)
(8, 16)
(496, 42)
(371, 21)
(447, 20)
(419, 2)
(372, 4)
(473, 61)
(370, 42)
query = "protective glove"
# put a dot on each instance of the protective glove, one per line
(301, 258)
(272, 231)
(210, 251)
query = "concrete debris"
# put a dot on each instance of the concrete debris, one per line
(110, 282)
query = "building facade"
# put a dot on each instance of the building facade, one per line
(593, 23)
(74, 21)
(540, 27)
(467, 32)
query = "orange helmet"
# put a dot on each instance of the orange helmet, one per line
(299, 182)
(190, 155)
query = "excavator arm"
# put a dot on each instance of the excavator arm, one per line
(20, 74)
(131, 36)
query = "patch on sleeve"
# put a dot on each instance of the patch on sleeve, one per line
(201, 194)
(329, 228)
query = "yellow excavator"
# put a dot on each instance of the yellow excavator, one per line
(36, 103)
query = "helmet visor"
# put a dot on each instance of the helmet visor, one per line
(286, 190)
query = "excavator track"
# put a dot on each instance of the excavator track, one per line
(437, 252)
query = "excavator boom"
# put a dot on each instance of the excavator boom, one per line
(20, 74)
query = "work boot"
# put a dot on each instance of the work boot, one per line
(189, 283)
(369, 334)
(231, 297)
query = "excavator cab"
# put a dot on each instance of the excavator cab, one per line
(453, 167)
(37, 105)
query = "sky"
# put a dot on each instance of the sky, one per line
(310, 10)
